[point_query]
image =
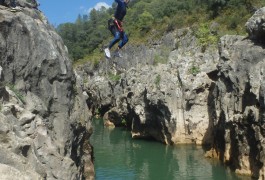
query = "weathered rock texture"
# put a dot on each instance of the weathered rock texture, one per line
(238, 105)
(43, 117)
(167, 102)
(211, 96)
(256, 25)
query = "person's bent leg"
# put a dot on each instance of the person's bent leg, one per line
(124, 40)
(115, 39)
(13, 3)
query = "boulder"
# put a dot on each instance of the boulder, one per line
(255, 26)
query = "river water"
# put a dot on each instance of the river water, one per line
(118, 157)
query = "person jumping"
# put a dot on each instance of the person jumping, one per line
(115, 26)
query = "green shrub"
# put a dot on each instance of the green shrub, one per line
(162, 56)
(123, 122)
(114, 77)
(94, 58)
(194, 70)
(204, 36)
(17, 93)
(157, 80)
(145, 21)
(158, 59)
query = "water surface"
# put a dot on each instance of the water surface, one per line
(118, 157)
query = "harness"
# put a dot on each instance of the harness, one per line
(115, 25)
(118, 25)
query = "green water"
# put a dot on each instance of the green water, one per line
(118, 157)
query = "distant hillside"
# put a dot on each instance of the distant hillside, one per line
(148, 19)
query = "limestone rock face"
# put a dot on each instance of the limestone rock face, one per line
(256, 25)
(167, 101)
(43, 131)
(238, 108)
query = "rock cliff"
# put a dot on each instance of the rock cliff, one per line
(176, 91)
(238, 105)
(44, 127)
(166, 101)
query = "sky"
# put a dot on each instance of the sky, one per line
(62, 11)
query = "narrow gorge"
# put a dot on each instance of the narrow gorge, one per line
(177, 91)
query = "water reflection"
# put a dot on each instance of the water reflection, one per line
(118, 157)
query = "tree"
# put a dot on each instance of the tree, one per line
(89, 32)
(215, 6)
(145, 21)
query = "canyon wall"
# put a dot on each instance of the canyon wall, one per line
(44, 120)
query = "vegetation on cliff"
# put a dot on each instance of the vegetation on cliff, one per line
(149, 19)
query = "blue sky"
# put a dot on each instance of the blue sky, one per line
(62, 11)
